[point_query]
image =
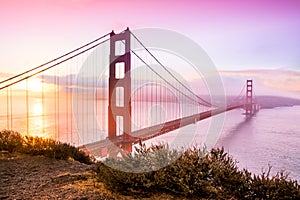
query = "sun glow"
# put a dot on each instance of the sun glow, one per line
(38, 109)
(35, 85)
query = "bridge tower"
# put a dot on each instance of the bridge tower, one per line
(249, 100)
(119, 106)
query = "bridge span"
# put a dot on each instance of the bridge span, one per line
(68, 88)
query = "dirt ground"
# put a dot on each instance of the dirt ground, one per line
(38, 177)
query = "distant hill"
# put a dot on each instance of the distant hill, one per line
(276, 101)
(266, 102)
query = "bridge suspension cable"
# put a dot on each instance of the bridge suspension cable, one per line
(47, 68)
(49, 62)
(206, 103)
(233, 101)
(160, 76)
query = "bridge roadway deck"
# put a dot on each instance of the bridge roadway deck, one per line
(156, 130)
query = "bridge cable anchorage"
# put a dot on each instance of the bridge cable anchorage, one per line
(73, 51)
(206, 102)
(45, 69)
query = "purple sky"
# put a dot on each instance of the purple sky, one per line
(236, 34)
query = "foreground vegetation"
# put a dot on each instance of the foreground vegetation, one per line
(157, 170)
(195, 174)
(12, 141)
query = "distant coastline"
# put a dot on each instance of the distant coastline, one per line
(269, 102)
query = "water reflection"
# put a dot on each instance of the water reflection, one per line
(37, 121)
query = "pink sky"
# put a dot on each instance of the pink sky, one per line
(236, 34)
(266, 82)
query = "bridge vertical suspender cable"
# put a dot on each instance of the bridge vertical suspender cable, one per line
(43, 105)
(233, 101)
(27, 108)
(175, 78)
(7, 108)
(67, 87)
(71, 110)
(58, 104)
(55, 103)
(11, 108)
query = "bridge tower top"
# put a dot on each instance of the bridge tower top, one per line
(249, 99)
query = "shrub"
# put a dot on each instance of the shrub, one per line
(125, 175)
(199, 174)
(195, 174)
(10, 141)
(277, 187)
(13, 141)
(79, 155)
(54, 149)
(36, 145)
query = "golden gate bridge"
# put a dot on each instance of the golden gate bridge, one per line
(74, 98)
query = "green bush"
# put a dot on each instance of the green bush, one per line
(195, 174)
(13, 141)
